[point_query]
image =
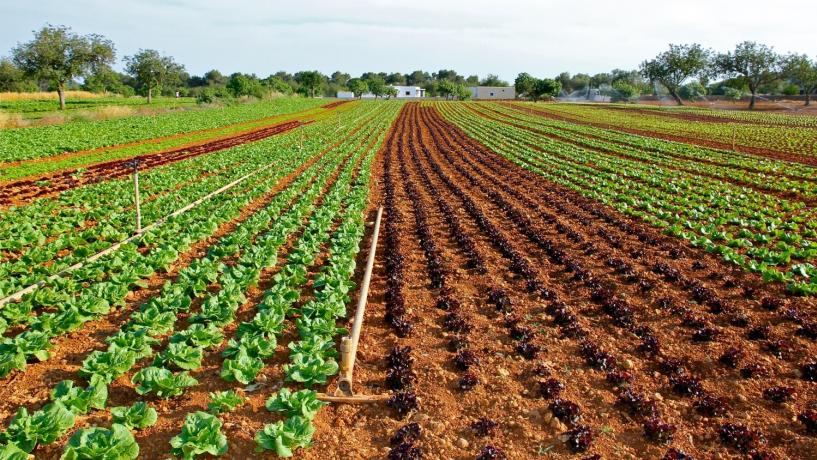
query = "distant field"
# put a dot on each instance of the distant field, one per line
(21, 109)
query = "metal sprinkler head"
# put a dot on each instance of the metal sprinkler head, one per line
(134, 164)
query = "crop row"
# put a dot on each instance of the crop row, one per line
(795, 181)
(744, 227)
(94, 289)
(49, 235)
(255, 339)
(621, 314)
(30, 143)
(796, 141)
(741, 116)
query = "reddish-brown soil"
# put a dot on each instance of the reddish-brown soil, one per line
(561, 260)
(536, 282)
(26, 190)
(711, 143)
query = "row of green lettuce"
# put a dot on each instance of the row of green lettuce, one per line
(201, 431)
(45, 141)
(90, 292)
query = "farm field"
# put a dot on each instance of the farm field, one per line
(551, 280)
(39, 105)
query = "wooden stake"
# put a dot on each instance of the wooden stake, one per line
(137, 200)
(348, 345)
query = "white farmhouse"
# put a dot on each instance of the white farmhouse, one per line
(409, 91)
(492, 92)
(402, 92)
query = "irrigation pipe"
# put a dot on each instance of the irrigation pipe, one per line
(19, 294)
(348, 345)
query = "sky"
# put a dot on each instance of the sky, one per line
(479, 37)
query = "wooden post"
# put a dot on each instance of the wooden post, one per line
(348, 345)
(136, 198)
(734, 135)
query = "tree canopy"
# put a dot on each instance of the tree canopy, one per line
(802, 71)
(758, 64)
(674, 66)
(151, 70)
(310, 81)
(357, 86)
(58, 55)
(536, 88)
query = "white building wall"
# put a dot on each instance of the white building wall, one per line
(492, 92)
(402, 92)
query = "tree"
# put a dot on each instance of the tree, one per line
(417, 77)
(214, 77)
(13, 79)
(449, 75)
(623, 90)
(310, 81)
(472, 80)
(358, 87)
(692, 91)
(597, 80)
(391, 92)
(536, 88)
(545, 87)
(446, 89)
(241, 84)
(461, 92)
(567, 82)
(107, 81)
(672, 67)
(377, 85)
(524, 84)
(493, 80)
(802, 71)
(58, 55)
(151, 70)
(396, 78)
(758, 64)
(339, 78)
(277, 85)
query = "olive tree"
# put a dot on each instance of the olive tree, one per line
(461, 92)
(802, 71)
(674, 66)
(524, 84)
(358, 87)
(150, 69)
(756, 63)
(310, 81)
(536, 88)
(377, 85)
(58, 55)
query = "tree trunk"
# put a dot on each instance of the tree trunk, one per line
(61, 94)
(752, 101)
(808, 98)
(150, 95)
(675, 96)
